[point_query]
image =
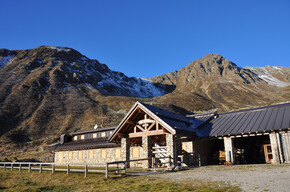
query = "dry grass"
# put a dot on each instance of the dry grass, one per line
(24, 181)
(37, 155)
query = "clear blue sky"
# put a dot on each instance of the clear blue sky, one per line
(151, 37)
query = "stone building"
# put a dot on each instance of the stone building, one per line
(260, 135)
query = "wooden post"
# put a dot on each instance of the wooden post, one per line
(67, 172)
(154, 165)
(117, 171)
(86, 170)
(107, 170)
(170, 160)
(53, 169)
(11, 166)
(4, 166)
(40, 168)
(29, 168)
(181, 160)
(199, 160)
(125, 167)
(20, 167)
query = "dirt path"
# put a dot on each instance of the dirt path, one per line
(247, 177)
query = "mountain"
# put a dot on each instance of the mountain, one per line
(223, 84)
(70, 68)
(47, 91)
(50, 90)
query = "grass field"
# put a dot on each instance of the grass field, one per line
(34, 182)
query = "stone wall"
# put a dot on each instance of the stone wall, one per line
(125, 149)
(285, 140)
(171, 148)
(100, 156)
(89, 156)
(146, 151)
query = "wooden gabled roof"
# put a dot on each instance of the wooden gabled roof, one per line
(136, 111)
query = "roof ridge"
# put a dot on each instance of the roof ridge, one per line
(197, 115)
(175, 118)
(256, 109)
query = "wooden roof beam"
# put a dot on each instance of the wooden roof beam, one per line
(147, 133)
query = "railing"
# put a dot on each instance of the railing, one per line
(77, 167)
(155, 161)
(53, 167)
(124, 165)
(160, 151)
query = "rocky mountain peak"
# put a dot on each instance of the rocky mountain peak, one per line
(206, 70)
(214, 62)
(212, 56)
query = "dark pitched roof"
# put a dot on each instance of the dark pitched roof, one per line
(84, 144)
(181, 124)
(93, 131)
(167, 114)
(248, 121)
(175, 121)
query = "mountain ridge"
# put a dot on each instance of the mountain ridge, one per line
(47, 91)
(95, 73)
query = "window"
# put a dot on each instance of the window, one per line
(82, 137)
(80, 154)
(136, 152)
(103, 134)
(60, 157)
(91, 154)
(117, 153)
(70, 154)
(95, 135)
(104, 154)
(75, 138)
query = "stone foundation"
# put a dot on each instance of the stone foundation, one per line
(89, 156)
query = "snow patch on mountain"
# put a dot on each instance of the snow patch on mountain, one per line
(6, 60)
(120, 84)
(99, 77)
(60, 48)
(146, 87)
(277, 68)
(270, 79)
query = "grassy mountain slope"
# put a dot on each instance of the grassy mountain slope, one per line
(47, 91)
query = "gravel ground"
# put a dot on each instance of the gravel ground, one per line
(274, 178)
